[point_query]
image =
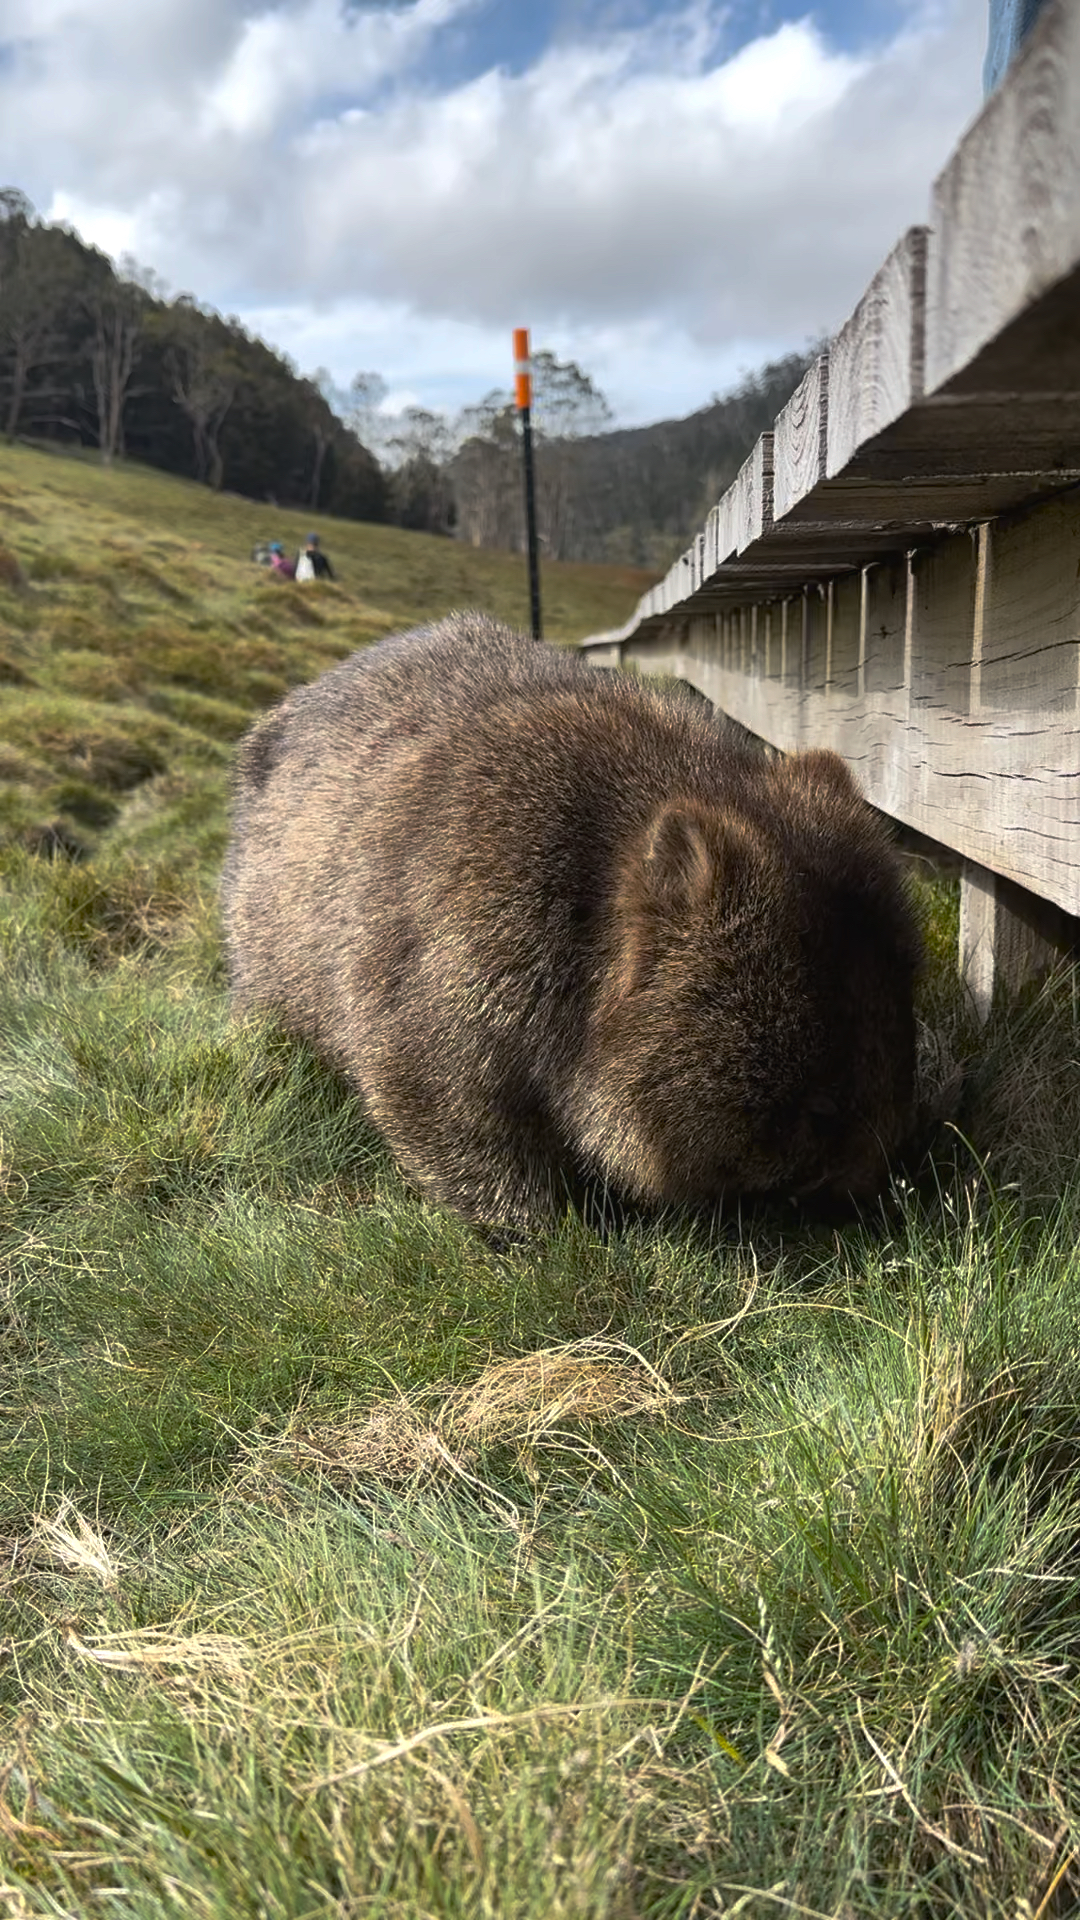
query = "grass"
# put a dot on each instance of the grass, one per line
(136, 636)
(351, 1566)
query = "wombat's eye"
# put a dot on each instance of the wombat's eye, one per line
(822, 1110)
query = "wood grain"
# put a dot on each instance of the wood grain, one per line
(800, 438)
(877, 361)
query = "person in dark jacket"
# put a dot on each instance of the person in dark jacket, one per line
(313, 563)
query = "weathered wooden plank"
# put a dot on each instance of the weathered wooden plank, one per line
(606, 656)
(681, 579)
(877, 361)
(978, 936)
(885, 630)
(1006, 210)
(787, 646)
(729, 514)
(800, 439)
(753, 490)
(743, 513)
(815, 628)
(942, 624)
(674, 585)
(713, 555)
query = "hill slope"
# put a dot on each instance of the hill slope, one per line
(137, 639)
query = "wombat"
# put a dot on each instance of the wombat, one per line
(563, 930)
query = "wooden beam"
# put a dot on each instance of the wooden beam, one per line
(745, 513)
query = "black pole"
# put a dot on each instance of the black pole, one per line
(530, 521)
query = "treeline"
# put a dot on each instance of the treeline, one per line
(630, 496)
(106, 359)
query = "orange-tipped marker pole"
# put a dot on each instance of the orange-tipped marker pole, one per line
(523, 402)
(522, 370)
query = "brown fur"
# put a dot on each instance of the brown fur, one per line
(556, 926)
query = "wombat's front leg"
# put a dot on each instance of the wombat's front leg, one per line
(490, 1184)
(473, 1151)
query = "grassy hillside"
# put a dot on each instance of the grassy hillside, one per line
(137, 637)
(351, 1567)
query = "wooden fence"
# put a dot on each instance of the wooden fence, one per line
(895, 572)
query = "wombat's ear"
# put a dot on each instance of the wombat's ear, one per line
(821, 767)
(689, 852)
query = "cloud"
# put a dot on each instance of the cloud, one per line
(285, 60)
(753, 196)
(582, 185)
(303, 159)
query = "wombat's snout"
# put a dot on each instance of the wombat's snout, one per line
(858, 1169)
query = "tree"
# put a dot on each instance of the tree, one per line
(423, 497)
(486, 474)
(567, 404)
(322, 399)
(203, 378)
(366, 394)
(567, 407)
(35, 294)
(32, 293)
(116, 310)
(16, 209)
(35, 297)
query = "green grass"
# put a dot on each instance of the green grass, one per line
(351, 1566)
(136, 635)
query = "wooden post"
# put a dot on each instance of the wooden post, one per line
(978, 936)
(1008, 937)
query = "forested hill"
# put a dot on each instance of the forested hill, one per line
(104, 359)
(639, 492)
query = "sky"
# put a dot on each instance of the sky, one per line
(669, 192)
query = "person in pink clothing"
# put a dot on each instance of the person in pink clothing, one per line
(280, 562)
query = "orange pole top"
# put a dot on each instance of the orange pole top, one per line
(522, 376)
